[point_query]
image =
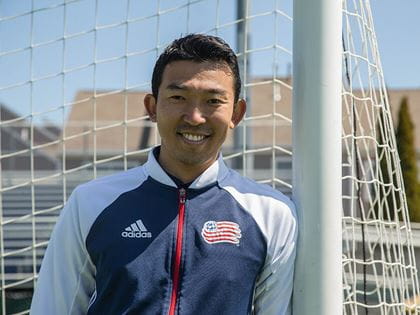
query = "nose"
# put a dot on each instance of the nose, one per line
(194, 116)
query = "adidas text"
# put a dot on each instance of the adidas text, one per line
(136, 230)
(136, 234)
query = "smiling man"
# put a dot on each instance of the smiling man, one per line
(182, 234)
(194, 107)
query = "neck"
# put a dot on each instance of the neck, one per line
(183, 171)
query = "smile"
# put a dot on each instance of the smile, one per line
(193, 137)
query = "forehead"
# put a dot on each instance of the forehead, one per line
(195, 74)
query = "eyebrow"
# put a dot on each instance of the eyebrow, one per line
(182, 87)
(176, 86)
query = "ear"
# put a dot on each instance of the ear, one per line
(239, 110)
(150, 105)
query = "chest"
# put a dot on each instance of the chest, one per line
(175, 243)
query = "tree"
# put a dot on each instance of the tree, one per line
(407, 153)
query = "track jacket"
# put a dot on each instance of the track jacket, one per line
(135, 243)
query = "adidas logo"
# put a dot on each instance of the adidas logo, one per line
(136, 230)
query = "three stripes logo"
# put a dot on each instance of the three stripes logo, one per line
(136, 230)
(221, 232)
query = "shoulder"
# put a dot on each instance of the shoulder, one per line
(88, 200)
(115, 183)
(273, 211)
(258, 195)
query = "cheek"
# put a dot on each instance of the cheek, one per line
(223, 126)
(165, 114)
(164, 124)
(224, 119)
(169, 112)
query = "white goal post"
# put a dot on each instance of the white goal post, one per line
(317, 51)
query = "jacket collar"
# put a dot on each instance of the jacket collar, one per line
(214, 173)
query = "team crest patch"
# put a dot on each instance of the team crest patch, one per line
(221, 232)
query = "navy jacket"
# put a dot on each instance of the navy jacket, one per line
(135, 243)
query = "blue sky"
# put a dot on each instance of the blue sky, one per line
(397, 29)
(397, 26)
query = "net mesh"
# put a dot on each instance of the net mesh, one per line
(380, 274)
(71, 110)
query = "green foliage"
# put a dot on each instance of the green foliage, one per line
(407, 153)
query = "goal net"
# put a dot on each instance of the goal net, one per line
(380, 274)
(71, 110)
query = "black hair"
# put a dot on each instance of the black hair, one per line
(198, 48)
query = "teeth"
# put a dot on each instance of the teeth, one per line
(192, 137)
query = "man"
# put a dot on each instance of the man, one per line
(182, 234)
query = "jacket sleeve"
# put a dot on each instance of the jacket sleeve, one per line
(274, 285)
(66, 279)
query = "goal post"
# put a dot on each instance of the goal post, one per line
(317, 55)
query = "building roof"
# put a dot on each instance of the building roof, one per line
(17, 140)
(107, 112)
(112, 120)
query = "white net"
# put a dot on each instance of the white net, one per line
(71, 110)
(380, 274)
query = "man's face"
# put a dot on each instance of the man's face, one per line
(194, 110)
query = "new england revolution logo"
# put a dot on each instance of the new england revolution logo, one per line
(221, 232)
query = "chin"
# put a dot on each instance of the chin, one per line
(193, 159)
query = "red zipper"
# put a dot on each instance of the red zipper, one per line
(178, 252)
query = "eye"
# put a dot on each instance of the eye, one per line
(177, 97)
(214, 101)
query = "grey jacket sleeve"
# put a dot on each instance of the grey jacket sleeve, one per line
(274, 286)
(66, 279)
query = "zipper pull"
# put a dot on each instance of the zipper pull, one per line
(182, 194)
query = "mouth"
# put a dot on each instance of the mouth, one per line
(193, 138)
